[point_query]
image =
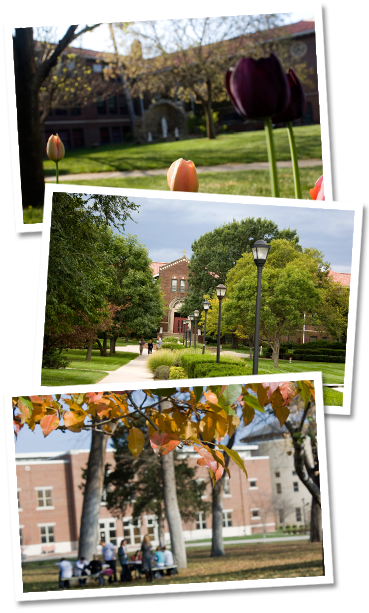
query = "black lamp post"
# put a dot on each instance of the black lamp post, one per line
(196, 314)
(192, 317)
(260, 252)
(221, 292)
(206, 306)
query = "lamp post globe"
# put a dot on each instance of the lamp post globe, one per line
(196, 314)
(206, 306)
(220, 292)
(260, 251)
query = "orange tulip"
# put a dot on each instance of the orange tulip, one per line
(317, 193)
(55, 148)
(182, 176)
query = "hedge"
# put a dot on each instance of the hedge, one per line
(189, 361)
(219, 370)
(304, 357)
(177, 373)
(320, 351)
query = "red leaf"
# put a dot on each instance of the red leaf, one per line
(208, 460)
(163, 443)
(48, 423)
(94, 397)
(288, 390)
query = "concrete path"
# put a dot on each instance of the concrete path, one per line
(153, 172)
(272, 539)
(135, 370)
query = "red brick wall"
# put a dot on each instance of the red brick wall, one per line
(174, 270)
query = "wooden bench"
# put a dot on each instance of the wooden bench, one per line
(160, 568)
(73, 580)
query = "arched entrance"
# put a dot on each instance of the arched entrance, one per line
(175, 319)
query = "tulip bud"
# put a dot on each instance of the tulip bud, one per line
(258, 88)
(55, 148)
(182, 176)
(317, 193)
(297, 104)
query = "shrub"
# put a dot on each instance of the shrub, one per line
(177, 373)
(220, 370)
(305, 357)
(320, 351)
(162, 372)
(332, 397)
(189, 361)
(54, 359)
(164, 357)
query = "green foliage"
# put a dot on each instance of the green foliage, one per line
(190, 361)
(216, 253)
(54, 359)
(319, 351)
(338, 359)
(163, 357)
(332, 397)
(162, 373)
(176, 372)
(220, 370)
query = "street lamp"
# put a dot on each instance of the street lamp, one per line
(196, 314)
(221, 292)
(192, 317)
(206, 306)
(260, 252)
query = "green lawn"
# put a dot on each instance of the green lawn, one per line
(250, 182)
(242, 147)
(81, 372)
(332, 373)
(244, 561)
(332, 398)
(33, 215)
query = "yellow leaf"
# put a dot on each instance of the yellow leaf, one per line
(136, 441)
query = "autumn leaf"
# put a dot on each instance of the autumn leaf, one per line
(49, 423)
(306, 389)
(248, 414)
(74, 418)
(233, 423)
(198, 391)
(211, 397)
(94, 396)
(163, 443)
(252, 402)
(188, 429)
(235, 457)
(288, 390)
(280, 411)
(136, 441)
(212, 459)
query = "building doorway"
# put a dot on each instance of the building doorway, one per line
(178, 323)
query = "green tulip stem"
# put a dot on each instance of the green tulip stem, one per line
(271, 157)
(57, 171)
(295, 163)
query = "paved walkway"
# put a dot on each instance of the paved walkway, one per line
(272, 539)
(153, 172)
(135, 370)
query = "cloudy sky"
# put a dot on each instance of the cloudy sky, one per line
(168, 227)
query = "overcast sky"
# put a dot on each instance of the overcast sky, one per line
(167, 227)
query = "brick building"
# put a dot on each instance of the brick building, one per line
(173, 278)
(106, 121)
(50, 502)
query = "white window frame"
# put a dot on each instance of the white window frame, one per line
(253, 487)
(227, 480)
(153, 524)
(47, 525)
(201, 518)
(107, 528)
(176, 285)
(255, 516)
(227, 514)
(44, 489)
(300, 513)
(295, 486)
(131, 527)
(182, 286)
(278, 485)
(19, 489)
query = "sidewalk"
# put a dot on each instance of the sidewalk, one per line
(272, 539)
(90, 176)
(135, 370)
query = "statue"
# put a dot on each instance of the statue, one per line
(164, 127)
(149, 137)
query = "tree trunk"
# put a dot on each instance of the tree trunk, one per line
(316, 531)
(217, 546)
(127, 91)
(103, 347)
(210, 128)
(171, 505)
(161, 520)
(89, 350)
(30, 139)
(275, 354)
(234, 341)
(92, 496)
(251, 345)
(113, 340)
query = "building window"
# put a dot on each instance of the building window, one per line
(174, 285)
(108, 531)
(294, 473)
(76, 111)
(131, 531)
(277, 475)
(281, 516)
(279, 488)
(201, 521)
(44, 497)
(104, 136)
(112, 104)
(97, 67)
(313, 338)
(253, 483)
(123, 107)
(227, 488)
(182, 286)
(152, 528)
(227, 519)
(101, 107)
(295, 486)
(61, 112)
(298, 514)
(116, 134)
(47, 534)
(19, 506)
(255, 513)
(77, 136)
(21, 536)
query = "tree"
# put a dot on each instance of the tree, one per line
(189, 413)
(124, 82)
(289, 289)
(81, 270)
(29, 78)
(215, 253)
(191, 56)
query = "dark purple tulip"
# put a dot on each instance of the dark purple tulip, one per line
(296, 107)
(258, 88)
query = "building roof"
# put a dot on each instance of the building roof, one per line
(155, 267)
(344, 278)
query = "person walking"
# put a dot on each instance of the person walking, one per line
(123, 559)
(108, 551)
(150, 345)
(142, 345)
(146, 557)
(159, 343)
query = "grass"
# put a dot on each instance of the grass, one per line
(33, 215)
(332, 373)
(243, 147)
(81, 372)
(250, 182)
(244, 561)
(332, 398)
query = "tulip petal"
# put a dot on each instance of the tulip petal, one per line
(317, 193)
(297, 104)
(182, 176)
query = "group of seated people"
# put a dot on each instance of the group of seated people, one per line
(162, 558)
